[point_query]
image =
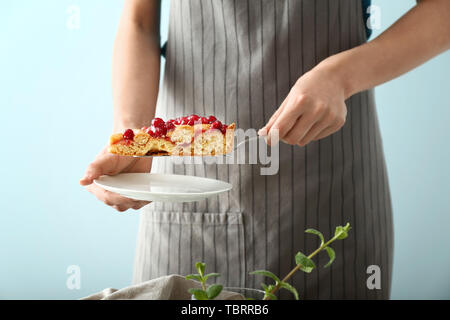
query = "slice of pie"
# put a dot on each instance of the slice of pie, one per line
(184, 136)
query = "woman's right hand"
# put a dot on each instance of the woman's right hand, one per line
(110, 164)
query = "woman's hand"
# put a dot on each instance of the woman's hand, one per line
(315, 106)
(109, 164)
(313, 109)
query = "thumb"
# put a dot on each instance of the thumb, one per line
(95, 170)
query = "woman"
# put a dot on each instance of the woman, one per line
(301, 67)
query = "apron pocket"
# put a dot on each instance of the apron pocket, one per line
(172, 242)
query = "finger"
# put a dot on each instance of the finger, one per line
(264, 131)
(313, 132)
(93, 171)
(287, 119)
(97, 168)
(335, 126)
(115, 200)
(299, 130)
(120, 208)
(326, 132)
(135, 205)
(140, 204)
(109, 198)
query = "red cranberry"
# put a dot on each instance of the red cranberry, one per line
(159, 131)
(128, 134)
(216, 125)
(152, 133)
(178, 121)
(212, 119)
(149, 131)
(170, 126)
(224, 128)
(158, 122)
(204, 120)
(194, 117)
(185, 121)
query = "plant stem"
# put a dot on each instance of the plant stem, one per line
(203, 285)
(202, 281)
(297, 267)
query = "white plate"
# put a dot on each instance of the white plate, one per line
(162, 187)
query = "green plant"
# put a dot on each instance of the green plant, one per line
(303, 263)
(205, 293)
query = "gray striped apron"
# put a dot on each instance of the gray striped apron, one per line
(237, 60)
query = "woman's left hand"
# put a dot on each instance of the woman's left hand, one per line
(314, 109)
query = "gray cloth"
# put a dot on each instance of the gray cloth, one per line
(237, 60)
(173, 287)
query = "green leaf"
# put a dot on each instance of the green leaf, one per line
(332, 256)
(266, 274)
(200, 266)
(287, 286)
(264, 286)
(199, 294)
(211, 275)
(342, 232)
(347, 227)
(193, 277)
(268, 290)
(317, 233)
(270, 295)
(213, 291)
(307, 265)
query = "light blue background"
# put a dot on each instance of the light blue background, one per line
(56, 114)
